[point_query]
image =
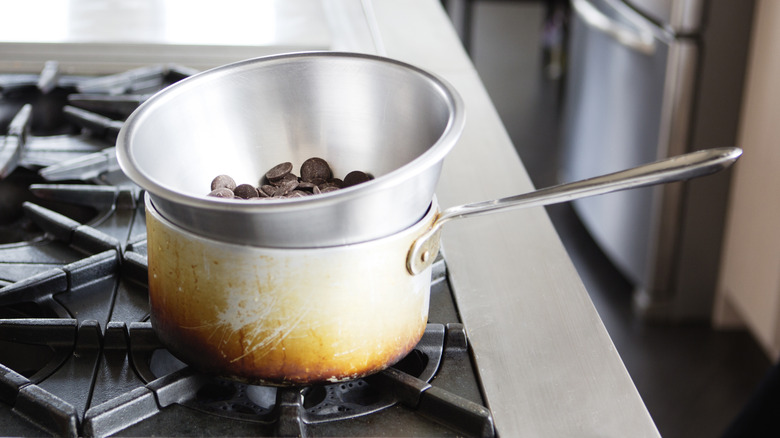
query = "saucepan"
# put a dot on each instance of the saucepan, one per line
(271, 308)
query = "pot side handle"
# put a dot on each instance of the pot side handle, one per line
(678, 168)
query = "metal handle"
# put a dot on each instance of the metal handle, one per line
(677, 168)
(642, 42)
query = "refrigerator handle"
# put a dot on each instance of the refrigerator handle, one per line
(639, 41)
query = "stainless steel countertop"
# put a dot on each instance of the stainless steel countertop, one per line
(548, 365)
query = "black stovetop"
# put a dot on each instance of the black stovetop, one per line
(78, 356)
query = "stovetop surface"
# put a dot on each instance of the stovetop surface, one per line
(78, 355)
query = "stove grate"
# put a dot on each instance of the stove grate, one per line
(289, 411)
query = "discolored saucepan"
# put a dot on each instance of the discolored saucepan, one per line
(285, 316)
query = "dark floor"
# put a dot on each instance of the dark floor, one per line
(694, 380)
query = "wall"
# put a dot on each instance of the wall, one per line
(749, 283)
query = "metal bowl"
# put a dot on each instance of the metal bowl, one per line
(358, 112)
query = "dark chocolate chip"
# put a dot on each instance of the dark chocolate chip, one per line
(303, 185)
(223, 181)
(298, 194)
(223, 192)
(285, 179)
(315, 168)
(279, 171)
(246, 191)
(355, 177)
(329, 185)
(279, 182)
(267, 189)
(287, 187)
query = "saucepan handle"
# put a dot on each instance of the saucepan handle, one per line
(682, 167)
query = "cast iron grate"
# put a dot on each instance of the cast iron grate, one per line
(290, 411)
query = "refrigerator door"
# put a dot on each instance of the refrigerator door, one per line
(626, 105)
(682, 17)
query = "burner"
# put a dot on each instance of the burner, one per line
(290, 411)
(254, 403)
(63, 128)
(47, 117)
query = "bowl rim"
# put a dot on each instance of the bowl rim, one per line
(434, 154)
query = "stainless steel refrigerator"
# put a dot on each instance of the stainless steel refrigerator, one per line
(648, 79)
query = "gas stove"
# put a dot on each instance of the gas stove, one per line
(78, 355)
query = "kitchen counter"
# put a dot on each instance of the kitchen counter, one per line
(546, 361)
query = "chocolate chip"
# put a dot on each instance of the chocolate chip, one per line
(298, 194)
(267, 189)
(222, 192)
(245, 191)
(303, 185)
(279, 182)
(327, 189)
(223, 181)
(356, 177)
(328, 185)
(279, 171)
(286, 187)
(285, 180)
(315, 168)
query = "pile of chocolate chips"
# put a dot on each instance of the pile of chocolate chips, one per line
(279, 182)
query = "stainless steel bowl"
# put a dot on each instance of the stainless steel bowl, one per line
(358, 112)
